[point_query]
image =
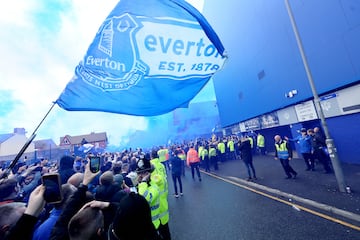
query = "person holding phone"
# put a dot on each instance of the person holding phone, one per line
(24, 227)
(43, 231)
(53, 191)
(76, 201)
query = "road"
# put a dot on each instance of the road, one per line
(218, 209)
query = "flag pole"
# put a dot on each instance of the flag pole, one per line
(26, 145)
(329, 141)
(52, 106)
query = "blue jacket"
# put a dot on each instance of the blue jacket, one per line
(304, 143)
(44, 230)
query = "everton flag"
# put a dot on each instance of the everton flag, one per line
(148, 58)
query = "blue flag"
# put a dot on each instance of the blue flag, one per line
(148, 58)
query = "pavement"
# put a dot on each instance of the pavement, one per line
(312, 189)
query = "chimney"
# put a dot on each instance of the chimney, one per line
(20, 131)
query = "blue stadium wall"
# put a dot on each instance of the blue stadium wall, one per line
(265, 62)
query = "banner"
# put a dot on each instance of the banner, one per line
(306, 111)
(252, 124)
(148, 58)
(269, 120)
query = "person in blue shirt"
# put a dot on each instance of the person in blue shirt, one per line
(304, 141)
(43, 231)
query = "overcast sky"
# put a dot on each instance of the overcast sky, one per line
(41, 42)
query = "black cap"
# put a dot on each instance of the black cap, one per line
(133, 212)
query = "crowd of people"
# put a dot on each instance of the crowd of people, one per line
(127, 197)
(312, 147)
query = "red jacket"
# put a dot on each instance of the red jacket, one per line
(192, 156)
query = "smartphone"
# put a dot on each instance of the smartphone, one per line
(94, 164)
(53, 191)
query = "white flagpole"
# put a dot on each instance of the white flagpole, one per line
(329, 141)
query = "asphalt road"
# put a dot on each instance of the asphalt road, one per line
(217, 209)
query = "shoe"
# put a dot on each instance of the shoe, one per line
(181, 194)
(287, 177)
(248, 179)
(176, 195)
(255, 178)
(295, 175)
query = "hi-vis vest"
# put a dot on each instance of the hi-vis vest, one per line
(282, 151)
(162, 184)
(182, 156)
(231, 146)
(164, 205)
(212, 152)
(204, 153)
(159, 167)
(162, 154)
(221, 147)
(260, 141)
(192, 156)
(200, 150)
(152, 195)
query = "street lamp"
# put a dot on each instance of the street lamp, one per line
(291, 93)
(329, 141)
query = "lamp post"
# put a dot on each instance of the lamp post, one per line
(329, 141)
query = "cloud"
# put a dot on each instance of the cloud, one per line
(41, 42)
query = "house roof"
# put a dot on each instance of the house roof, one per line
(6, 136)
(92, 137)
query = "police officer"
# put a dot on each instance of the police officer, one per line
(318, 146)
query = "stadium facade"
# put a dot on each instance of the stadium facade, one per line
(264, 86)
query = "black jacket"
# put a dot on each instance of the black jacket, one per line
(175, 162)
(23, 229)
(246, 151)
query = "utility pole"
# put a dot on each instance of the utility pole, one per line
(329, 141)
